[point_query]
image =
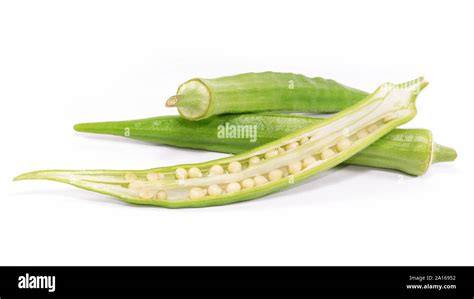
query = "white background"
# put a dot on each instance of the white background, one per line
(63, 62)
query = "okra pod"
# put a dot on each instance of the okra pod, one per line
(408, 150)
(260, 171)
(269, 91)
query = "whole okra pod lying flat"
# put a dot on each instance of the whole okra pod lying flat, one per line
(260, 171)
(408, 150)
(201, 98)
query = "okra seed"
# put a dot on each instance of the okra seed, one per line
(327, 153)
(343, 144)
(234, 167)
(214, 190)
(308, 161)
(162, 195)
(216, 170)
(362, 134)
(275, 174)
(135, 185)
(294, 168)
(152, 176)
(196, 193)
(131, 176)
(260, 180)
(304, 140)
(271, 154)
(372, 128)
(233, 187)
(254, 160)
(291, 146)
(195, 172)
(181, 173)
(247, 183)
(146, 194)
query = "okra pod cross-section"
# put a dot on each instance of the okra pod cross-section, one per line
(260, 171)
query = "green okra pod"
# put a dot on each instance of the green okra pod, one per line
(408, 150)
(269, 91)
(260, 171)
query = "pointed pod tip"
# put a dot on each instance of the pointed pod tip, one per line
(443, 153)
(88, 127)
(21, 177)
(40, 175)
(423, 83)
(78, 127)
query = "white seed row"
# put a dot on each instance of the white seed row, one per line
(150, 194)
(216, 170)
(236, 167)
(254, 160)
(153, 176)
(271, 154)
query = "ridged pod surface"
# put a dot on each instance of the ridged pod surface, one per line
(408, 150)
(269, 91)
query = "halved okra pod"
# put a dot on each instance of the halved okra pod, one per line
(263, 170)
(269, 91)
(408, 150)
